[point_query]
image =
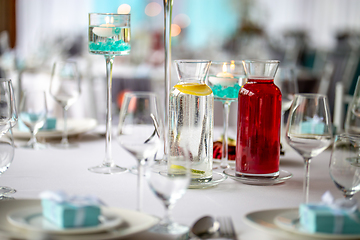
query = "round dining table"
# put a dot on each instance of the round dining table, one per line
(35, 171)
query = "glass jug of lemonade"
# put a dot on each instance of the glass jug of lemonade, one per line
(191, 111)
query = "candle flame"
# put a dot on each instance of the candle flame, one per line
(232, 65)
(107, 19)
(224, 68)
(112, 20)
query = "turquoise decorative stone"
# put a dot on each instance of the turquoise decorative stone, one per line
(226, 91)
(324, 219)
(109, 46)
(68, 215)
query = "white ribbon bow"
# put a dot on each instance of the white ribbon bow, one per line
(339, 206)
(62, 197)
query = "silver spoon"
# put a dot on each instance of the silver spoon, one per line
(205, 227)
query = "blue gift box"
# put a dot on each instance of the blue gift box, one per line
(325, 219)
(50, 124)
(73, 212)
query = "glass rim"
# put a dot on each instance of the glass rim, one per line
(348, 135)
(191, 61)
(226, 61)
(110, 14)
(309, 95)
(141, 93)
(260, 61)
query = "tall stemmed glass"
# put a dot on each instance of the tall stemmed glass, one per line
(309, 129)
(345, 164)
(6, 158)
(169, 182)
(8, 112)
(33, 112)
(225, 80)
(109, 35)
(65, 88)
(352, 120)
(140, 130)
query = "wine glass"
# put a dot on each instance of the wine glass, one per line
(109, 35)
(33, 111)
(65, 89)
(140, 130)
(169, 182)
(345, 164)
(309, 129)
(225, 80)
(8, 113)
(6, 157)
(352, 120)
(287, 83)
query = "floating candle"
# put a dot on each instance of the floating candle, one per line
(107, 29)
(223, 78)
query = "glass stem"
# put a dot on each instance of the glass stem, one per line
(64, 140)
(167, 217)
(140, 184)
(224, 160)
(109, 64)
(306, 179)
(33, 140)
(168, 4)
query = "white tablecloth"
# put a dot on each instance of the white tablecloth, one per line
(51, 169)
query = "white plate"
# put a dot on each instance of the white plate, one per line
(216, 179)
(265, 221)
(32, 219)
(133, 222)
(288, 221)
(74, 126)
(283, 176)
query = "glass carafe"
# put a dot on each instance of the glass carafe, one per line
(191, 111)
(259, 119)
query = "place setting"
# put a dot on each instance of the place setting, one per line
(330, 218)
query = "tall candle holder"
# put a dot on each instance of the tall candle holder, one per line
(168, 5)
(225, 79)
(109, 35)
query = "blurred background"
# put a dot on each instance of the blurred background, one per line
(319, 39)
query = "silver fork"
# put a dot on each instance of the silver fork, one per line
(227, 228)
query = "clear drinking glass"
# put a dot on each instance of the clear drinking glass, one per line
(109, 35)
(309, 129)
(225, 80)
(33, 112)
(352, 120)
(6, 158)
(169, 184)
(345, 164)
(65, 88)
(191, 117)
(8, 113)
(140, 130)
(288, 85)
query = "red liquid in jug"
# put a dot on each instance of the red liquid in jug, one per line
(258, 128)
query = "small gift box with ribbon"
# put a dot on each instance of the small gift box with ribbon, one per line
(70, 211)
(339, 216)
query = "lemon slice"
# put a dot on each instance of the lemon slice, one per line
(194, 89)
(173, 166)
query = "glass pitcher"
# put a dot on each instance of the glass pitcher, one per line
(259, 121)
(191, 111)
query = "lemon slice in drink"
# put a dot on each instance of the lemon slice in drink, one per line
(194, 89)
(173, 166)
